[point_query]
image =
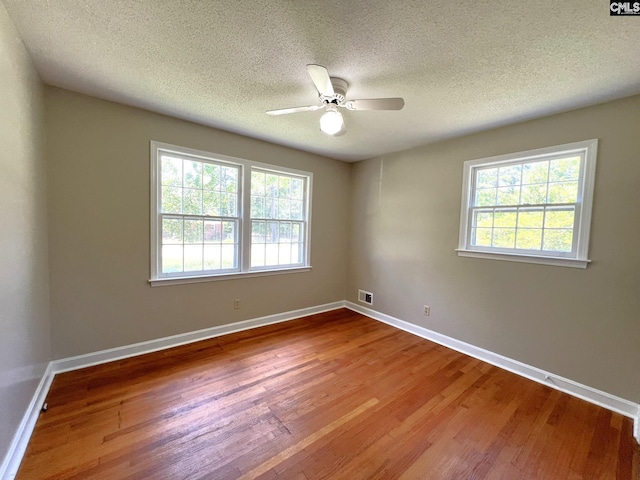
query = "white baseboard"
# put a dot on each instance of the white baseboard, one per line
(11, 462)
(118, 353)
(592, 395)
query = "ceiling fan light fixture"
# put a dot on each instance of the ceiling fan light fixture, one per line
(331, 121)
(331, 93)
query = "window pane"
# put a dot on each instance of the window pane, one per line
(297, 189)
(481, 237)
(485, 197)
(284, 253)
(192, 201)
(535, 172)
(511, 175)
(258, 232)
(505, 218)
(530, 218)
(566, 192)
(559, 218)
(211, 203)
(258, 239)
(487, 178)
(257, 255)
(558, 240)
(564, 169)
(228, 232)
(212, 257)
(270, 207)
(171, 172)
(271, 254)
(272, 185)
(230, 179)
(483, 218)
(272, 232)
(533, 194)
(228, 256)
(193, 231)
(284, 234)
(171, 200)
(212, 231)
(171, 231)
(508, 196)
(284, 209)
(217, 178)
(210, 176)
(258, 181)
(171, 258)
(257, 207)
(297, 212)
(228, 207)
(192, 174)
(504, 237)
(192, 258)
(529, 239)
(284, 187)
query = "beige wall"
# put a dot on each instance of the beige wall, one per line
(98, 166)
(24, 312)
(580, 324)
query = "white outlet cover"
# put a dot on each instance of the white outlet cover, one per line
(365, 297)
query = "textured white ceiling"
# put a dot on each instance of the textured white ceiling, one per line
(461, 66)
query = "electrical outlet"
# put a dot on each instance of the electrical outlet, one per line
(427, 310)
(365, 297)
(236, 304)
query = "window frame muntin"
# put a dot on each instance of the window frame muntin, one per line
(583, 205)
(244, 207)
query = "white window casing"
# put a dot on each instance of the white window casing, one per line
(532, 206)
(201, 218)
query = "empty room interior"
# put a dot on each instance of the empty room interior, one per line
(304, 240)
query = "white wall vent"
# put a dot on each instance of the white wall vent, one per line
(365, 297)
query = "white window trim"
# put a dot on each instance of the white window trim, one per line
(244, 234)
(589, 148)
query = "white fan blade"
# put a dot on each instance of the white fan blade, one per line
(375, 104)
(321, 79)
(284, 111)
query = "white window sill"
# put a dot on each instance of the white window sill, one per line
(513, 257)
(163, 282)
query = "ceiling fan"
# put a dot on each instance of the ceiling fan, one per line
(332, 92)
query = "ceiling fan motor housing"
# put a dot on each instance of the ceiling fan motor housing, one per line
(339, 89)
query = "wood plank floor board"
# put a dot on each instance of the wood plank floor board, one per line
(331, 396)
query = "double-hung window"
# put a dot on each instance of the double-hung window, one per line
(530, 206)
(215, 217)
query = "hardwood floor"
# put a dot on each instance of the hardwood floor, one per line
(335, 395)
